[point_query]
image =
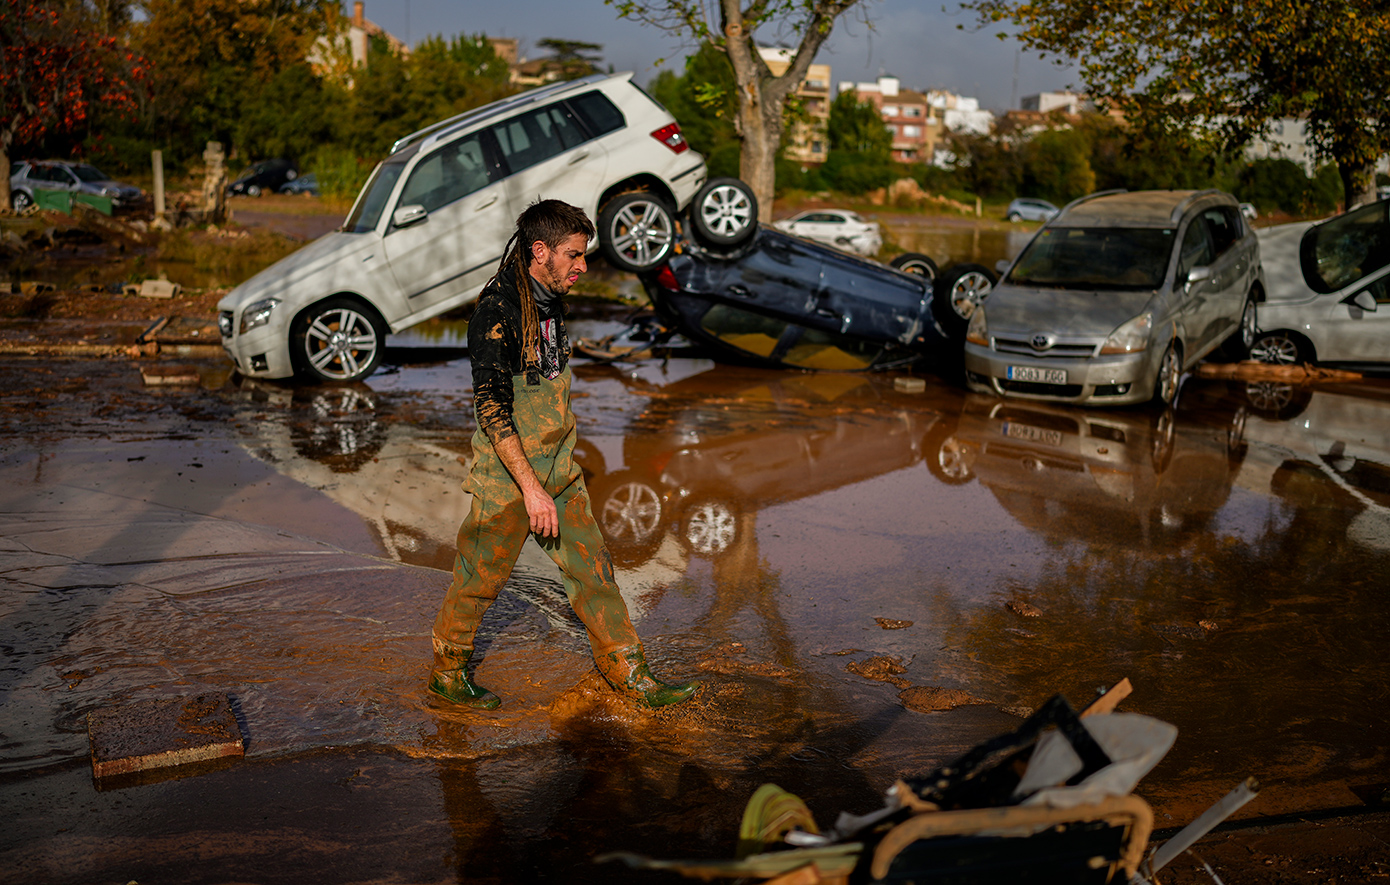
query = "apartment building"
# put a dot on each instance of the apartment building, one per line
(805, 142)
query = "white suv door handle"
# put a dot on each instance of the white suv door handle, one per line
(582, 155)
(485, 203)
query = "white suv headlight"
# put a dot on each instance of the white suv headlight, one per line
(257, 313)
(1131, 337)
(978, 330)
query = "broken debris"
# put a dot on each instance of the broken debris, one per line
(163, 733)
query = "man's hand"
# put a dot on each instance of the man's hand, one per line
(545, 521)
(540, 507)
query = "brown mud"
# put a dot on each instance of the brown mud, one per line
(867, 582)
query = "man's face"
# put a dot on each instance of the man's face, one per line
(560, 267)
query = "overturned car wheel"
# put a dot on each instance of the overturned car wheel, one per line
(915, 262)
(724, 213)
(636, 231)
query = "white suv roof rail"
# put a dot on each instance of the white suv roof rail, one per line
(499, 107)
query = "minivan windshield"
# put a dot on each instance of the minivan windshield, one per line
(1095, 258)
(366, 212)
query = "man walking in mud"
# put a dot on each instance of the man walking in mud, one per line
(524, 479)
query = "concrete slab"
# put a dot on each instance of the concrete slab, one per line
(162, 733)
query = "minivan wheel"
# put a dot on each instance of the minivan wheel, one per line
(915, 262)
(724, 213)
(337, 340)
(1237, 347)
(960, 292)
(636, 231)
(21, 201)
(1169, 374)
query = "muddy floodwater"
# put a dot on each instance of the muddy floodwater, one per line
(866, 582)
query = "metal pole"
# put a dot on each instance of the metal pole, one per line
(1214, 815)
(157, 157)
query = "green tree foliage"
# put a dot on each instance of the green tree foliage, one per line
(214, 60)
(1280, 185)
(702, 99)
(572, 59)
(1056, 165)
(57, 70)
(1228, 68)
(857, 126)
(761, 96)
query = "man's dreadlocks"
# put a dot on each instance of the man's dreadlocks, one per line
(551, 222)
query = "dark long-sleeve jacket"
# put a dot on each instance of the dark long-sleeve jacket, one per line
(494, 349)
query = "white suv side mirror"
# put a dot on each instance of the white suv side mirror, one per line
(1363, 300)
(408, 215)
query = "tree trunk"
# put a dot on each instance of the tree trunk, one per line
(757, 159)
(1358, 184)
(4, 178)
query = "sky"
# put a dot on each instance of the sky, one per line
(916, 41)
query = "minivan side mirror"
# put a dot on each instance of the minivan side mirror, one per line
(1197, 274)
(408, 215)
(1363, 299)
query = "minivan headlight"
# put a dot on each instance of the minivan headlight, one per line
(978, 330)
(257, 313)
(1131, 337)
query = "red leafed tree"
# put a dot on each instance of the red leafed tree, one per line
(56, 67)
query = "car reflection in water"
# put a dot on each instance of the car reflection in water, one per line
(1144, 479)
(1323, 450)
(690, 475)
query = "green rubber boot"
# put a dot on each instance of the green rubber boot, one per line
(626, 670)
(449, 679)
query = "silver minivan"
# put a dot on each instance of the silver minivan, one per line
(429, 227)
(1113, 299)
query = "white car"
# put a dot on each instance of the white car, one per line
(429, 227)
(835, 227)
(1328, 291)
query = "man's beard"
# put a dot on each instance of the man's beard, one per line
(554, 280)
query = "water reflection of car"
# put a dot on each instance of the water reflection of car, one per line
(835, 227)
(781, 300)
(1331, 457)
(712, 463)
(1118, 477)
(27, 176)
(265, 176)
(1328, 291)
(1116, 297)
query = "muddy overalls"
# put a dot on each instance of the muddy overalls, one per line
(497, 523)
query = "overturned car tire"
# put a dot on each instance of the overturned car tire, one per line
(724, 213)
(915, 262)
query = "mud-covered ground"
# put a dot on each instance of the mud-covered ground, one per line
(867, 582)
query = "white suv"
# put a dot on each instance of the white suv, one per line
(428, 229)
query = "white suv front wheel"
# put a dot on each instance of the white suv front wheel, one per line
(636, 231)
(337, 340)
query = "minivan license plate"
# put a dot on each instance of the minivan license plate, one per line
(1045, 376)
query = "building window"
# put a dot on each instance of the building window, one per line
(892, 130)
(912, 132)
(912, 110)
(890, 110)
(817, 147)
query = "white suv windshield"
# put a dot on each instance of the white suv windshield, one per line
(372, 201)
(1095, 258)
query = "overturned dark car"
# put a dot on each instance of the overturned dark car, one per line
(773, 299)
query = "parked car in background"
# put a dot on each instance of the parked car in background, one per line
(1024, 209)
(304, 184)
(1328, 295)
(835, 227)
(430, 225)
(265, 176)
(1116, 297)
(27, 176)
